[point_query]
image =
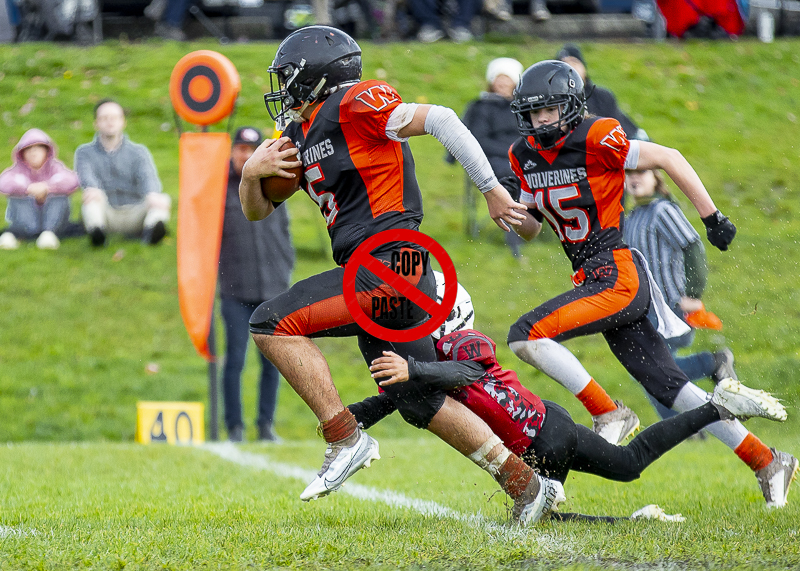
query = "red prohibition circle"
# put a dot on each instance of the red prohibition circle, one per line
(362, 257)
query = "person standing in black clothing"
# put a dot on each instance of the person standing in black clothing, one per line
(599, 100)
(255, 263)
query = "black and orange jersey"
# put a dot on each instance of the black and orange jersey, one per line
(578, 186)
(363, 182)
(513, 412)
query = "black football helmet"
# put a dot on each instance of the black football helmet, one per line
(549, 83)
(311, 63)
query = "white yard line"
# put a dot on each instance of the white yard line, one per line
(8, 531)
(500, 532)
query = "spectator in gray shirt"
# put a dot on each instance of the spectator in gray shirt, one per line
(121, 190)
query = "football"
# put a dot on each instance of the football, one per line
(278, 189)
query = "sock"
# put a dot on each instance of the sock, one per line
(657, 439)
(340, 427)
(596, 399)
(731, 432)
(754, 453)
(555, 361)
(514, 476)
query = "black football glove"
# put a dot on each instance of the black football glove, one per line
(719, 229)
(512, 185)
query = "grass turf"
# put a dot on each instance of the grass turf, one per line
(101, 506)
(79, 327)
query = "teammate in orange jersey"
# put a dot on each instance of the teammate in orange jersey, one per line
(570, 170)
(352, 138)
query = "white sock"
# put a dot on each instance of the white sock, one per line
(555, 361)
(731, 432)
(94, 214)
(155, 215)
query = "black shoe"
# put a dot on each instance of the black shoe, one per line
(236, 434)
(155, 234)
(267, 434)
(97, 237)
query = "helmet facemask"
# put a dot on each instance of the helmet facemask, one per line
(290, 99)
(570, 107)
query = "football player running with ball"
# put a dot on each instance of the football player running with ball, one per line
(352, 138)
(570, 170)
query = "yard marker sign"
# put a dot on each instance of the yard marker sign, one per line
(169, 422)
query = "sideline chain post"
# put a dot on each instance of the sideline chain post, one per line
(203, 87)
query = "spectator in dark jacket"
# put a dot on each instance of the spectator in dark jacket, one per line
(490, 119)
(600, 101)
(255, 264)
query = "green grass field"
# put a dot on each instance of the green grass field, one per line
(79, 327)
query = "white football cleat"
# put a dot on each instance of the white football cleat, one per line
(341, 462)
(744, 402)
(776, 478)
(540, 498)
(617, 425)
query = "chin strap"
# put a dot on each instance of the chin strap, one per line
(311, 98)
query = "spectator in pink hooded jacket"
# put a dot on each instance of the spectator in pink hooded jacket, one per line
(38, 186)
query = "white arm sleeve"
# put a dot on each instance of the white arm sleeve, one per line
(400, 117)
(632, 160)
(444, 124)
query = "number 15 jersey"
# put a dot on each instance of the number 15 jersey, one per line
(578, 185)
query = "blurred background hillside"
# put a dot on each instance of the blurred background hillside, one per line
(86, 333)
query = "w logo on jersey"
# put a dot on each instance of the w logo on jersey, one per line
(473, 350)
(529, 165)
(378, 96)
(615, 139)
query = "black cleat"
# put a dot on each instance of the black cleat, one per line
(155, 234)
(97, 237)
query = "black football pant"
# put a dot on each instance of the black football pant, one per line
(613, 300)
(315, 307)
(562, 445)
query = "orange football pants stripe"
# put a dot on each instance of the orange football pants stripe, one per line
(328, 313)
(594, 307)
